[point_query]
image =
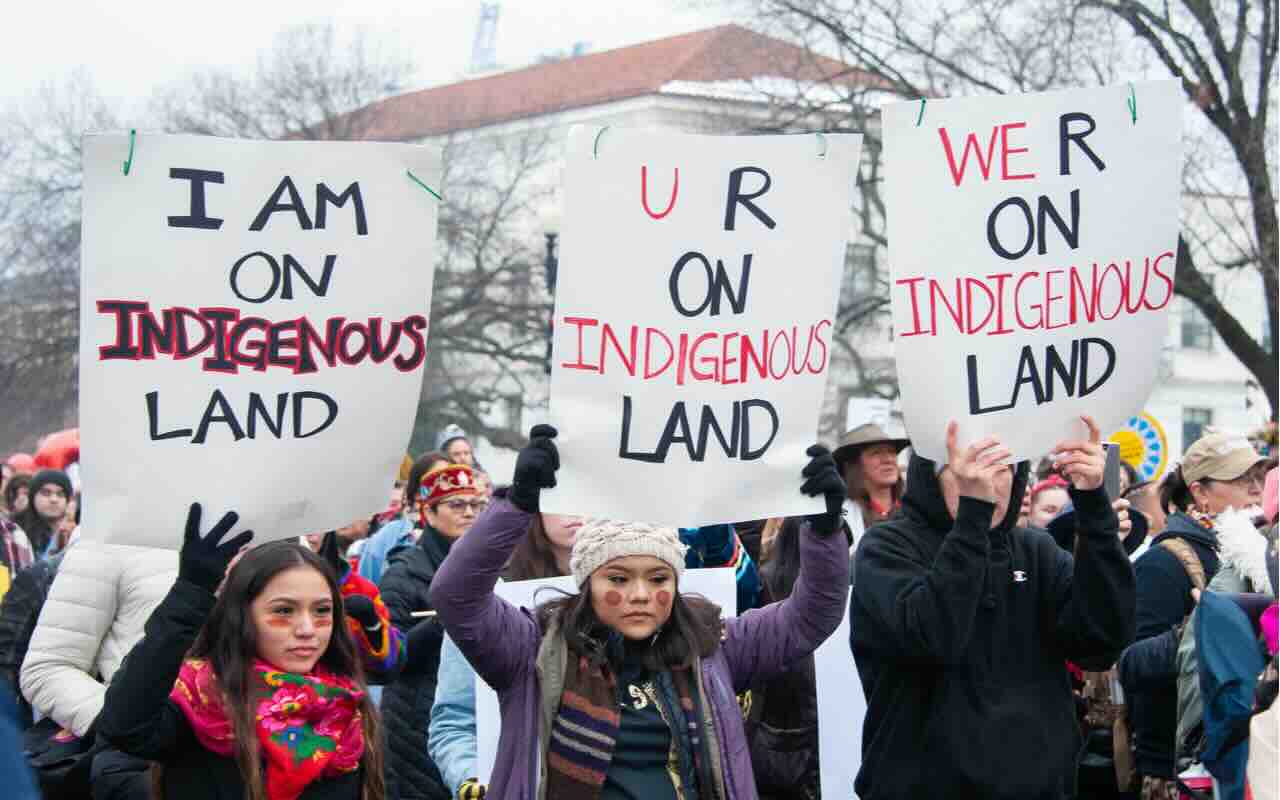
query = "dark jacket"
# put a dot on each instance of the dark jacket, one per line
(1149, 673)
(139, 718)
(406, 702)
(119, 776)
(960, 634)
(782, 726)
(18, 615)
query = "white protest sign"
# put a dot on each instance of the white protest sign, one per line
(694, 316)
(1032, 240)
(841, 710)
(253, 325)
(715, 584)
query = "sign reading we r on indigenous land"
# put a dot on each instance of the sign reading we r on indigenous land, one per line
(1032, 241)
(694, 321)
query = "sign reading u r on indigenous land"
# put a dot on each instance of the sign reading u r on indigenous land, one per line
(694, 320)
(253, 323)
(1032, 244)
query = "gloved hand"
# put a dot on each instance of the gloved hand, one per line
(535, 468)
(203, 561)
(361, 609)
(423, 636)
(471, 789)
(822, 477)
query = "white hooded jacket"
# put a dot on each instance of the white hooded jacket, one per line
(96, 609)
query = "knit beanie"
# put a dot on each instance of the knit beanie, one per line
(54, 476)
(600, 541)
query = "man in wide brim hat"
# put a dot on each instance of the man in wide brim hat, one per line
(868, 459)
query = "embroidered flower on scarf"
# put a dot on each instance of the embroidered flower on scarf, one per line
(285, 708)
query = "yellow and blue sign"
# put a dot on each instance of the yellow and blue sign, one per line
(1144, 446)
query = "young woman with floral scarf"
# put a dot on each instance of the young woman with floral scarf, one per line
(244, 691)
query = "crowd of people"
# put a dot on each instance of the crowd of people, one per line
(1017, 631)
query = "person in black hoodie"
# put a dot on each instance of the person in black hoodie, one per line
(1218, 472)
(961, 624)
(448, 502)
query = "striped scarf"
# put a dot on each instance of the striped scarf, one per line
(585, 732)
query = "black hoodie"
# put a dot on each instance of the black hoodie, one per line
(961, 634)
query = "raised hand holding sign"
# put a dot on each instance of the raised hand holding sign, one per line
(1083, 462)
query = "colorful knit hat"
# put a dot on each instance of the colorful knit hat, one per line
(445, 481)
(600, 541)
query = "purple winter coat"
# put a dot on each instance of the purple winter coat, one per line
(526, 668)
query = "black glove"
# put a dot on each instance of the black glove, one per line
(535, 468)
(360, 608)
(203, 561)
(822, 477)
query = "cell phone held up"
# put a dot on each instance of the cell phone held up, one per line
(1111, 472)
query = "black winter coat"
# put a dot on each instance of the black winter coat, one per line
(782, 725)
(139, 718)
(961, 633)
(406, 703)
(19, 613)
(1149, 674)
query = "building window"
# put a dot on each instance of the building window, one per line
(1197, 333)
(1194, 421)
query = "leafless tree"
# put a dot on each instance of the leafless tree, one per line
(40, 256)
(490, 307)
(312, 84)
(1223, 50)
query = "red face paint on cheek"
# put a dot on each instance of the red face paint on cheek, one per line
(613, 598)
(278, 622)
(324, 622)
(664, 598)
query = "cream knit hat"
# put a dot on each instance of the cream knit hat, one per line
(600, 541)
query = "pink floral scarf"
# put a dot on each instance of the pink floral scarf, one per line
(309, 726)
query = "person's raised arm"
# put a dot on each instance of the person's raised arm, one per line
(137, 715)
(1094, 592)
(924, 610)
(495, 636)
(765, 641)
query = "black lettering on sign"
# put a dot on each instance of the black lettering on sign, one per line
(199, 217)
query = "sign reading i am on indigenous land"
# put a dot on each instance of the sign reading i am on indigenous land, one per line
(253, 329)
(696, 298)
(1032, 242)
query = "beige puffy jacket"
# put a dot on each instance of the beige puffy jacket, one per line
(97, 607)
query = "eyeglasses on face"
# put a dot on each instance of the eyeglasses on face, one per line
(1249, 480)
(461, 506)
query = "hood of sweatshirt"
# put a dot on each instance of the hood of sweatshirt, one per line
(924, 503)
(1181, 526)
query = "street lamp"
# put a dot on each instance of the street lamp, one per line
(550, 264)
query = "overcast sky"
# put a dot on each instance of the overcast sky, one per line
(132, 46)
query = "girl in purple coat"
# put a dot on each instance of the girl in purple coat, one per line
(628, 688)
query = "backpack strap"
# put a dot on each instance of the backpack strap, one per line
(1186, 554)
